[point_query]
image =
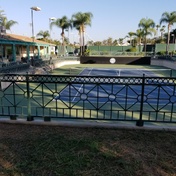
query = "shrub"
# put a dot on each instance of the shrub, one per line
(133, 49)
(87, 52)
(160, 53)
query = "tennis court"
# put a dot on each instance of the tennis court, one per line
(121, 91)
(121, 94)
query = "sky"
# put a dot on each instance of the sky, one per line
(111, 18)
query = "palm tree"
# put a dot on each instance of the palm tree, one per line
(130, 34)
(120, 41)
(115, 42)
(147, 26)
(7, 24)
(80, 21)
(170, 19)
(109, 41)
(44, 34)
(63, 23)
(157, 27)
(2, 15)
(162, 30)
(139, 34)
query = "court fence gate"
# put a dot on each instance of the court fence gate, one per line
(51, 97)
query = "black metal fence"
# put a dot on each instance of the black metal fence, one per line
(46, 97)
(13, 67)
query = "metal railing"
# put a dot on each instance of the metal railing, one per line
(13, 67)
(46, 97)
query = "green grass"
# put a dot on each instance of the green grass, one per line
(29, 150)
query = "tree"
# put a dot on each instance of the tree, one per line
(115, 42)
(97, 43)
(139, 35)
(170, 19)
(162, 30)
(63, 23)
(90, 42)
(130, 34)
(80, 21)
(108, 42)
(44, 34)
(147, 26)
(120, 41)
(7, 24)
(2, 15)
(157, 27)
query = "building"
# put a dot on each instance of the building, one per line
(16, 48)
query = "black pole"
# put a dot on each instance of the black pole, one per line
(140, 122)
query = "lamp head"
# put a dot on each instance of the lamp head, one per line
(36, 8)
(52, 18)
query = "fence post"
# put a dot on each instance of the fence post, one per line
(140, 122)
(14, 117)
(171, 73)
(29, 117)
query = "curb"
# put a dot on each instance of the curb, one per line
(90, 124)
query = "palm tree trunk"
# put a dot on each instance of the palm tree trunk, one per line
(130, 40)
(139, 44)
(81, 48)
(145, 44)
(83, 43)
(63, 44)
(168, 39)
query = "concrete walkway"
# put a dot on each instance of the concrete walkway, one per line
(94, 124)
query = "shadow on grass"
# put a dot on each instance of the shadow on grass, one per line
(42, 150)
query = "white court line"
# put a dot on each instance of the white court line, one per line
(118, 72)
(80, 87)
(170, 88)
(67, 85)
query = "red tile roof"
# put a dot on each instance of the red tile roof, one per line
(22, 38)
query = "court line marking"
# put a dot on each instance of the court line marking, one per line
(67, 86)
(80, 87)
(118, 74)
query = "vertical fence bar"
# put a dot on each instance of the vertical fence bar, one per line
(29, 117)
(140, 122)
(171, 73)
(14, 116)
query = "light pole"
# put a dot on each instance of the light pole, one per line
(33, 9)
(50, 20)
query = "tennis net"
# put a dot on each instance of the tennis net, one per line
(122, 72)
(146, 72)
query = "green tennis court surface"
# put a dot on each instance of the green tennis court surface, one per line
(103, 100)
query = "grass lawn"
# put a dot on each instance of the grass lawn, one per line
(31, 150)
